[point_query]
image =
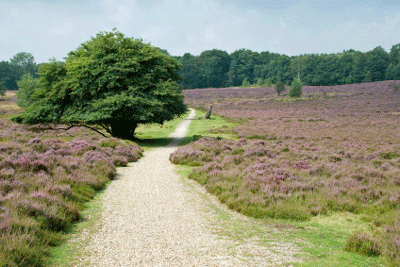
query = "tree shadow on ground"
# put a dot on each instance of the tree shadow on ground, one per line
(162, 142)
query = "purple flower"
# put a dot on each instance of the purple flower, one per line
(53, 143)
(302, 165)
(78, 145)
(394, 197)
(92, 156)
(186, 153)
(130, 153)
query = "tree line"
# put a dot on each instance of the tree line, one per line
(216, 68)
(12, 71)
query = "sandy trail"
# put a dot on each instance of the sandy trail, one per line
(153, 217)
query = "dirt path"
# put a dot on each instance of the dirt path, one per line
(153, 217)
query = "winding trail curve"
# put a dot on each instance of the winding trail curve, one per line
(153, 217)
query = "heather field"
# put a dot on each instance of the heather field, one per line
(45, 179)
(335, 150)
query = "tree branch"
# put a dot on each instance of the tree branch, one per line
(105, 128)
(49, 128)
(83, 125)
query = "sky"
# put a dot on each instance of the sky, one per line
(52, 28)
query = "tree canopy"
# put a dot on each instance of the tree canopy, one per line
(111, 81)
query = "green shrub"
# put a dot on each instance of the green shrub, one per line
(395, 86)
(246, 82)
(111, 142)
(362, 244)
(279, 87)
(195, 164)
(260, 81)
(296, 89)
(268, 82)
(389, 155)
(120, 161)
(26, 90)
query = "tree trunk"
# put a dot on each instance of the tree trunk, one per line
(123, 129)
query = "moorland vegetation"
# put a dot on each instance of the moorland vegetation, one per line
(326, 150)
(45, 179)
(50, 168)
(333, 150)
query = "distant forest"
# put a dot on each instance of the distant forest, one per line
(216, 68)
(12, 71)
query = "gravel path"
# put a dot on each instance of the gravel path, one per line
(153, 217)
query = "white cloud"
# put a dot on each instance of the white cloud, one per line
(53, 28)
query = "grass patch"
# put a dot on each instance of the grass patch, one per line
(216, 127)
(320, 240)
(156, 135)
(76, 236)
(324, 245)
(326, 237)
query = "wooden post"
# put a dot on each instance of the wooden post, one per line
(208, 115)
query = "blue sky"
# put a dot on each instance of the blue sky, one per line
(52, 28)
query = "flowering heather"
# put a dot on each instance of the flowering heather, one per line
(120, 161)
(96, 156)
(131, 153)
(186, 154)
(45, 177)
(78, 145)
(7, 173)
(335, 149)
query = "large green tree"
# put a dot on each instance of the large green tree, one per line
(395, 54)
(191, 72)
(26, 63)
(111, 81)
(9, 75)
(358, 71)
(215, 66)
(242, 66)
(377, 63)
(298, 65)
